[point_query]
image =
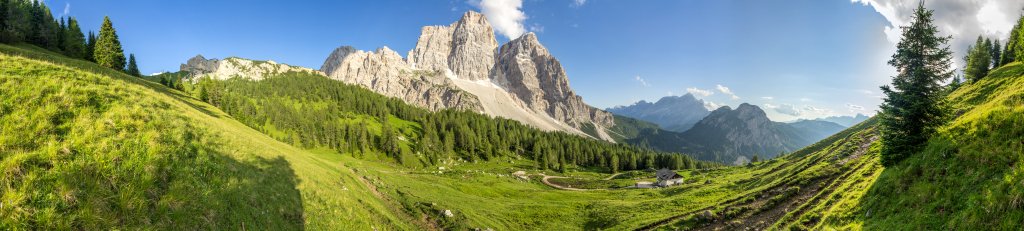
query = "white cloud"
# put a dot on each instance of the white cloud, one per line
(700, 92)
(670, 93)
(536, 28)
(767, 97)
(725, 90)
(815, 110)
(787, 109)
(642, 81)
(67, 8)
(805, 100)
(578, 3)
(965, 20)
(505, 15)
(711, 105)
(854, 107)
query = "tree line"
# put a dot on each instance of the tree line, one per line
(312, 111)
(30, 21)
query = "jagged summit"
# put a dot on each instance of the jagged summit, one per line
(232, 67)
(460, 65)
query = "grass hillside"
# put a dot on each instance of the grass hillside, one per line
(85, 147)
(970, 175)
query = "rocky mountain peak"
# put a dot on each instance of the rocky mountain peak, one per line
(465, 47)
(199, 66)
(461, 66)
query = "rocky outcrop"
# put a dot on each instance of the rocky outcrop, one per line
(460, 66)
(532, 75)
(385, 72)
(465, 47)
(199, 66)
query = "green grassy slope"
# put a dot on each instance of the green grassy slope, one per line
(970, 175)
(84, 147)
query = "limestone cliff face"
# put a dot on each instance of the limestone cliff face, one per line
(385, 72)
(532, 75)
(199, 66)
(465, 47)
(461, 66)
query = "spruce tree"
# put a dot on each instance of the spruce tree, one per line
(1009, 51)
(108, 51)
(978, 60)
(90, 47)
(4, 5)
(132, 68)
(74, 40)
(995, 54)
(909, 111)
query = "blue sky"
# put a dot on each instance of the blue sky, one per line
(795, 59)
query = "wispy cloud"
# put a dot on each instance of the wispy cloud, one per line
(727, 91)
(767, 97)
(67, 9)
(642, 81)
(578, 3)
(537, 28)
(787, 109)
(711, 105)
(816, 110)
(700, 92)
(805, 100)
(506, 16)
(854, 107)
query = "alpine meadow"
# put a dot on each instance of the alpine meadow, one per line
(681, 115)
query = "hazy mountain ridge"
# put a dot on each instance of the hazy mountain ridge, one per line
(673, 113)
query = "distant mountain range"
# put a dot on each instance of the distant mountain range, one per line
(847, 121)
(727, 135)
(673, 113)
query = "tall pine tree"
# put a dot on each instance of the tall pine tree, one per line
(132, 68)
(995, 53)
(108, 51)
(1009, 51)
(978, 60)
(909, 111)
(90, 47)
(74, 40)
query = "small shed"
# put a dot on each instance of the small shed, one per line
(644, 184)
(668, 177)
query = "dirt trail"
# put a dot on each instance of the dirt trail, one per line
(544, 178)
(809, 193)
(763, 218)
(612, 176)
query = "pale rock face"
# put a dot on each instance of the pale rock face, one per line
(530, 73)
(465, 47)
(460, 66)
(473, 45)
(385, 72)
(199, 66)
